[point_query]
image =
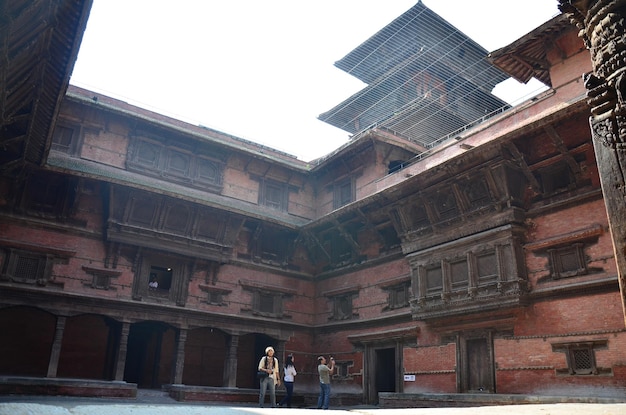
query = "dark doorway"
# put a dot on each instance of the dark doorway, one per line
(150, 355)
(478, 367)
(385, 371)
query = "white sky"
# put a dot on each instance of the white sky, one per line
(263, 70)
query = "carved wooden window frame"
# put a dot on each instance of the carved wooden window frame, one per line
(61, 133)
(274, 195)
(580, 357)
(557, 263)
(160, 165)
(17, 263)
(398, 295)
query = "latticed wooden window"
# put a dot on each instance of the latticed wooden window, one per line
(581, 361)
(26, 267)
(580, 356)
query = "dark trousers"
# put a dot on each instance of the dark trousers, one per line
(287, 399)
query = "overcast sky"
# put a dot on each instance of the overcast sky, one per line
(263, 70)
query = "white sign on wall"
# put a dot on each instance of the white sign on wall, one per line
(409, 378)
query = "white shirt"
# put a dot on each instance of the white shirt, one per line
(290, 373)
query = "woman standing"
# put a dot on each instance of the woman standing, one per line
(290, 374)
(268, 364)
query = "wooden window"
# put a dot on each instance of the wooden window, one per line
(28, 267)
(267, 303)
(65, 139)
(274, 195)
(215, 297)
(46, 195)
(568, 261)
(477, 193)
(343, 193)
(178, 164)
(580, 356)
(147, 154)
(160, 281)
(434, 279)
(155, 158)
(398, 295)
(459, 274)
(487, 267)
(555, 178)
(445, 203)
(342, 307)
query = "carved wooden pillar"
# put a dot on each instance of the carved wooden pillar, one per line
(179, 363)
(602, 26)
(120, 363)
(55, 353)
(230, 368)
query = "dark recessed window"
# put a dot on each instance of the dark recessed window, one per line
(343, 193)
(274, 195)
(65, 139)
(342, 307)
(398, 295)
(28, 267)
(568, 261)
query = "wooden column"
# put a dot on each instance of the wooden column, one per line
(601, 24)
(230, 366)
(179, 364)
(120, 363)
(55, 353)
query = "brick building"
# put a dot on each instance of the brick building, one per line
(476, 259)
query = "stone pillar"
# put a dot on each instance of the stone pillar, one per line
(230, 366)
(120, 363)
(179, 364)
(55, 353)
(602, 24)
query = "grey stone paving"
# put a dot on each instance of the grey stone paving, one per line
(158, 403)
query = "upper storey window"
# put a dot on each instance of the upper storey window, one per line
(274, 195)
(66, 139)
(343, 193)
(181, 165)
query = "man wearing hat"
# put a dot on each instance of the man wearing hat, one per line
(324, 371)
(268, 364)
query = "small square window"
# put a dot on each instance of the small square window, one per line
(568, 261)
(274, 195)
(342, 307)
(64, 139)
(398, 296)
